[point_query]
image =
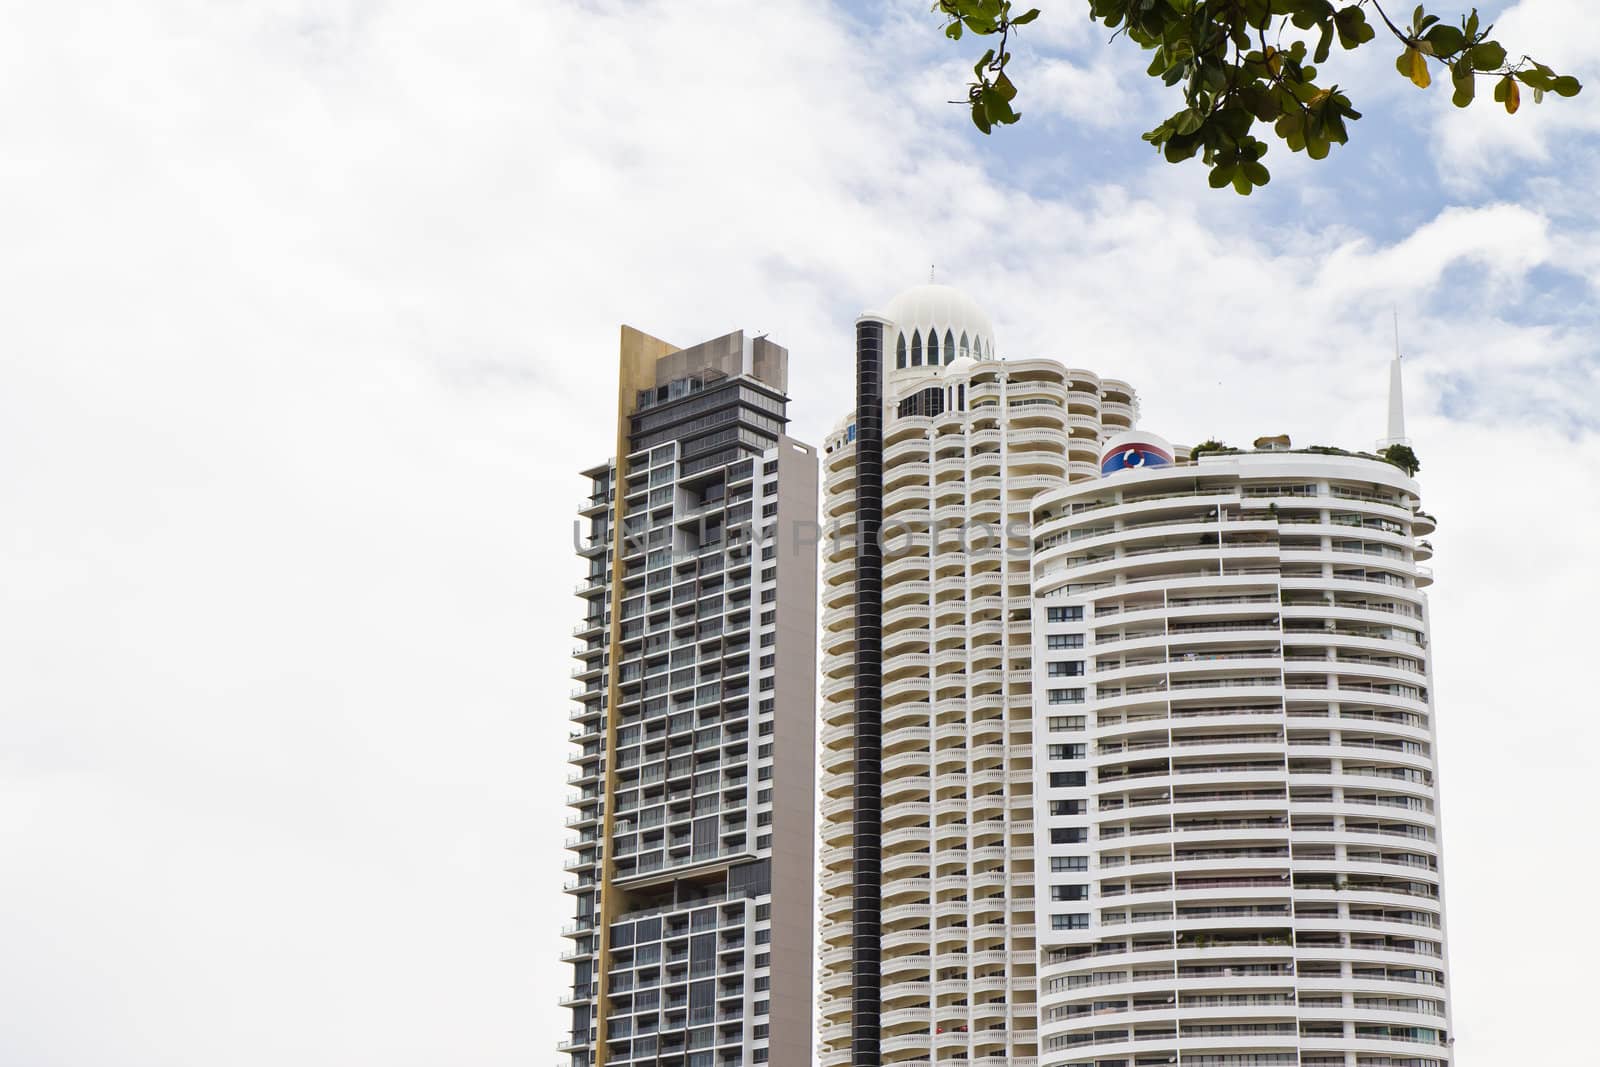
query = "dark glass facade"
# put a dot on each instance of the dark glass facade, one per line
(867, 821)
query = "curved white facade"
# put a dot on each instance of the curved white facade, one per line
(972, 446)
(1238, 859)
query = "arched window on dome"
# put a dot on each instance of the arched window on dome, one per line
(965, 348)
(949, 347)
(933, 348)
(900, 352)
(916, 348)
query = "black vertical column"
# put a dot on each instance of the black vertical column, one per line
(866, 880)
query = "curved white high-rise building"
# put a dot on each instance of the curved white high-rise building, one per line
(968, 442)
(1238, 860)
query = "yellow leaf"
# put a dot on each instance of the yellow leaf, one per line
(1513, 98)
(1419, 70)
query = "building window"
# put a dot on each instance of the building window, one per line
(1061, 724)
(949, 347)
(1060, 864)
(1066, 696)
(1067, 779)
(926, 402)
(1068, 807)
(1071, 668)
(1069, 613)
(1069, 892)
(933, 348)
(1068, 835)
(1066, 751)
(899, 356)
(1064, 641)
(1076, 921)
(916, 348)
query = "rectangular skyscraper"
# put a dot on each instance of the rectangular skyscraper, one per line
(692, 934)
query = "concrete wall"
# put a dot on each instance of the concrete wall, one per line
(794, 758)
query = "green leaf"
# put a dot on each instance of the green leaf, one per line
(1567, 85)
(1488, 55)
(1221, 175)
(1354, 29)
(1182, 147)
(1292, 128)
(1466, 84)
(1025, 18)
(1446, 40)
(997, 107)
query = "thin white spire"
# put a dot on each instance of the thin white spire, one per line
(1397, 403)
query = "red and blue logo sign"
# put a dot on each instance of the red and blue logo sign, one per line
(1134, 455)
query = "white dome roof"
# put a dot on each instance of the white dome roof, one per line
(929, 317)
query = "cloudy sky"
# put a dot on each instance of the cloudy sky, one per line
(309, 319)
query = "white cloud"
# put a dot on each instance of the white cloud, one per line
(311, 318)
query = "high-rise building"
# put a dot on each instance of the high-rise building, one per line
(927, 939)
(692, 864)
(1238, 862)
